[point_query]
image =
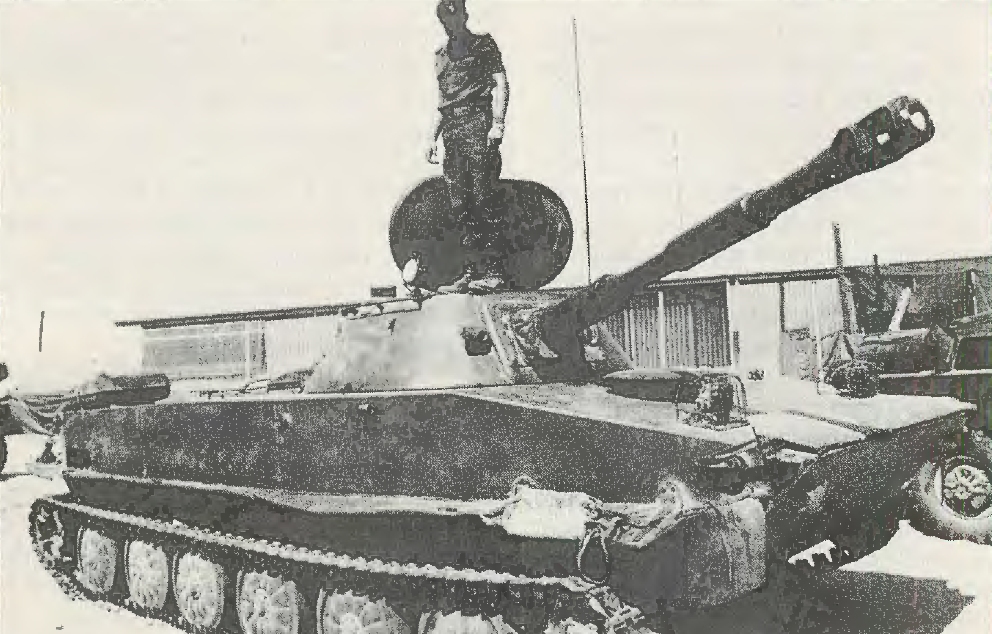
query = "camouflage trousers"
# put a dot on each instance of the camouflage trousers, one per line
(472, 167)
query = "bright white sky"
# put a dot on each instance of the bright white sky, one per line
(180, 157)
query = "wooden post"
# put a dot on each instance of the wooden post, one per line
(971, 290)
(247, 352)
(879, 303)
(662, 337)
(846, 294)
(816, 337)
(41, 329)
(781, 307)
(731, 334)
(781, 329)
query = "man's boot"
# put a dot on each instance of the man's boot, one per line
(494, 279)
(461, 285)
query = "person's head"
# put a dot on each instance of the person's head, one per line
(453, 15)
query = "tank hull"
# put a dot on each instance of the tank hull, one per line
(882, 465)
(423, 552)
(412, 477)
(468, 444)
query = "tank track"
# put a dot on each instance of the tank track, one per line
(528, 604)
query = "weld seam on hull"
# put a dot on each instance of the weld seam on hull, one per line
(344, 504)
(377, 503)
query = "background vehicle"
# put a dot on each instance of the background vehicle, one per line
(952, 496)
(18, 417)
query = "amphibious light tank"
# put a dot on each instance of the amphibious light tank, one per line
(488, 463)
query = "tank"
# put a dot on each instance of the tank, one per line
(489, 462)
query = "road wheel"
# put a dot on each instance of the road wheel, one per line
(348, 613)
(952, 495)
(97, 562)
(654, 625)
(147, 568)
(3, 452)
(199, 586)
(457, 623)
(270, 604)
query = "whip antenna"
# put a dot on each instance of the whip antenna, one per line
(582, 143)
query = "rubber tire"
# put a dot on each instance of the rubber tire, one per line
(927, 511)
(3, 452)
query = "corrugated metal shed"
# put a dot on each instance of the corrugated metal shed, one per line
(636, 328)
(696, 326)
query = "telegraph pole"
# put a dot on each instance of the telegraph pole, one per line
(846, 293)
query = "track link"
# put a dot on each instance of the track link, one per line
(527, 604)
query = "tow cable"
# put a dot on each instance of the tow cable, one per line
(599, 531)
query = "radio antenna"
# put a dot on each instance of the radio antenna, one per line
(678, 182)
(582, 142)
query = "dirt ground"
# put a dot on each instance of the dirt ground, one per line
(915, 585)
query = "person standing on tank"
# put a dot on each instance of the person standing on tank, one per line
(470, 120)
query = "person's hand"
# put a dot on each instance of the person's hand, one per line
(431, 153)
(495, 135)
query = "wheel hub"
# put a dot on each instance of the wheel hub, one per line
(966, 488)
(351, 624)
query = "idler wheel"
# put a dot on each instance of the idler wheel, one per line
(49, 533)
(268, 604)
(199, 588)
(97, 561)
(350, 614)
(147, 574)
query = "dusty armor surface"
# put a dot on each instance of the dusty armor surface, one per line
(491, 462)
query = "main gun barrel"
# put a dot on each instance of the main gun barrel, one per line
(881, 138)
